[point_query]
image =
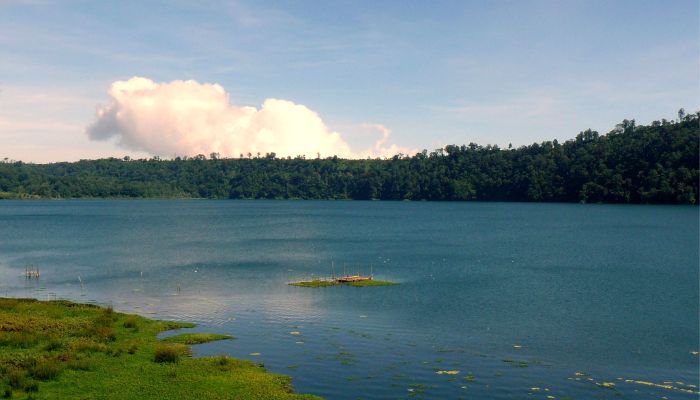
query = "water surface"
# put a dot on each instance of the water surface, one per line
(523, 300)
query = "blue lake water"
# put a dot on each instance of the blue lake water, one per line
(523, 300)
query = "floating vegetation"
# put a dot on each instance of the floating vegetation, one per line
(516, 363)
(447, 372)
(470, 378)
(254, 354)
(449, 350)
(669, 386)
(295, 333)
(314, 283)
(345, 358)
(416, 389)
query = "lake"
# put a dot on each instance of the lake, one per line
(495, 301)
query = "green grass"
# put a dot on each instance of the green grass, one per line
(64, 350)
(318, 283)
(196, 338)
(314, 283)
(373, 282)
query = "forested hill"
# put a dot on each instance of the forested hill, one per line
(631, 164)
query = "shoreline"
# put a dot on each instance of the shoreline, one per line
(63, 349)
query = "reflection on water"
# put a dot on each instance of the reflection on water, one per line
(495, 301)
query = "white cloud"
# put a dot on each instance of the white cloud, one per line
(381, 147)
(189, 118)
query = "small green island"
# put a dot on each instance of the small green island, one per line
(65, 350)
(358, 281)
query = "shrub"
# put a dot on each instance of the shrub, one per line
(18, 339)
(53, 344)
(82, 364)
(131, 322)
(106, 333)
(106, 318)
(30, 386)
(46, 369)
(170, 352)
(89, 346)
(16, 377)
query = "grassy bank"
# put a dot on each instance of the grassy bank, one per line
(320, 283)
(64, 350)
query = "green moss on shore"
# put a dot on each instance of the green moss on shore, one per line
(64, 350)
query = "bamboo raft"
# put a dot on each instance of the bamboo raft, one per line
(339, 279)
(354, 278)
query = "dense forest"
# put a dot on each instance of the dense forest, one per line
(657, 163)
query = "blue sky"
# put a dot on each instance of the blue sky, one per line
(434, 73)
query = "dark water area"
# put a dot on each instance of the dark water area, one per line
(495, 301)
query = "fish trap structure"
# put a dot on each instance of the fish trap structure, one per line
(31, 272)
(316, 281)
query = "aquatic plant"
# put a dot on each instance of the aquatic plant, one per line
(516, 363)
(324, 283)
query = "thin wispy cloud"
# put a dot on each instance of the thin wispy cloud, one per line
(525, 107)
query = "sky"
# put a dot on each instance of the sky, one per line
(92, 79)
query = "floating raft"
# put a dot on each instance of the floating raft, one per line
(335, 280)
(354, 278)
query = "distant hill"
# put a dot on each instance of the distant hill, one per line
(655, 164)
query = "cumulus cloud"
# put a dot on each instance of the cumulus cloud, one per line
(381, 147)
(189, 118)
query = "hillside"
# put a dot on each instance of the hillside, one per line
(655, 164)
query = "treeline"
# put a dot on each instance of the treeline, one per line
(657, 163)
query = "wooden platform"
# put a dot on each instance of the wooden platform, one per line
(353, 278)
